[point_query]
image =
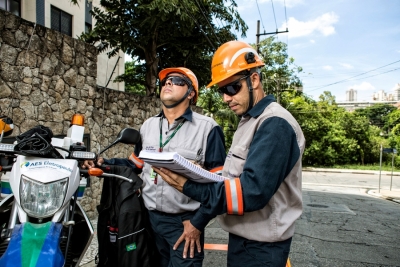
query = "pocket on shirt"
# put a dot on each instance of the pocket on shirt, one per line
(187, 154)
(237, 161)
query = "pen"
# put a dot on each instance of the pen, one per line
(198, 157)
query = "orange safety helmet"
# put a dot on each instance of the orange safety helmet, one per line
(231, 58)
(188, 73)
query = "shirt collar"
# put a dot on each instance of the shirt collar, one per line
(187, 115)
(259, 108)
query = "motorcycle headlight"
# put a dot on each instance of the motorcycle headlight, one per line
(42, 200)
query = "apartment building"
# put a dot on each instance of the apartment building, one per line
(72, 20)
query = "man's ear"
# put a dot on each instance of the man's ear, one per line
(192, 94)
(255, 80)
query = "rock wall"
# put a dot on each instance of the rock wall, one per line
(46, 77)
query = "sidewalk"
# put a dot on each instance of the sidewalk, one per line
(311, 169)
(393, 195)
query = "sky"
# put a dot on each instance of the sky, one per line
(340, 44)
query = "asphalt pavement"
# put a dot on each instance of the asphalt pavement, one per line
(341, 225)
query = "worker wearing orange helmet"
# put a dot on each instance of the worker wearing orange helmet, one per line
(261, 199)
(173, 216)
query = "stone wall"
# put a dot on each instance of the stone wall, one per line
(46, 77)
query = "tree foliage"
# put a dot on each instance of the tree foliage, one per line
(165, 33)
(280, 71)
(133, 77)
(377, 114)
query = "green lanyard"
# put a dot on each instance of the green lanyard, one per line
(170, 137)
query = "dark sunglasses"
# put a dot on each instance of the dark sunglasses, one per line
(232, 88)
(175, 80)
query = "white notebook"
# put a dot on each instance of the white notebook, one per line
(176, 163)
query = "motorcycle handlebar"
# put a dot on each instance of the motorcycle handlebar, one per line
(100, 173)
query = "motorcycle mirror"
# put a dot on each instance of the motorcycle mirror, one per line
(127, 136)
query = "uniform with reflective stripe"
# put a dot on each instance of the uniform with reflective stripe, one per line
(266, 155)
(197, 132)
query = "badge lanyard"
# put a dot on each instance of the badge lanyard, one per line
(153, 175)
(170, 137)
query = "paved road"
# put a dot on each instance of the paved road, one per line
(344, 223)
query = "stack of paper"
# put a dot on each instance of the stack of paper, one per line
(176, 163)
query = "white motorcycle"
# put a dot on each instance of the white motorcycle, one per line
(41, 220)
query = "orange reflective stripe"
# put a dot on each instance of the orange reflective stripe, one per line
(217, 169)
(216, 246)
(234, 197)
(228, 197)
(138, 162)
(239, 196)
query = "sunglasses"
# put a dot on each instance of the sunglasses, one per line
(175, 80)
(232, 88)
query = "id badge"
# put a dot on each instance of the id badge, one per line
(153, 176)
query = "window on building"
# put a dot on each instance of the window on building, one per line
(12, 6)
(61, 21)
(88, 27)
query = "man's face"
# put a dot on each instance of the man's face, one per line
(173, 91)
(238, 103)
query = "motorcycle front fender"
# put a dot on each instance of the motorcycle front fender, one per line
(34, 245)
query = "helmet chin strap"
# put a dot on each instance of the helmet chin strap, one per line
(180, 101)
(248, 81)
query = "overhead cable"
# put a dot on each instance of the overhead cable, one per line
(262, 23)
(355, 76)
(198, 25)
(212, 28)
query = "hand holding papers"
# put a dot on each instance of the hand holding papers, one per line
(176, 163)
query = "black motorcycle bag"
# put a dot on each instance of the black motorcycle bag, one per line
(121, 206)
(37, 142)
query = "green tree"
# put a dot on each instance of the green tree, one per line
(280, 71)
(211, 102)
(165, 33)
(133, 77)
(377, 114)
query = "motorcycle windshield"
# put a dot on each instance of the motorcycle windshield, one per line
(34, 245)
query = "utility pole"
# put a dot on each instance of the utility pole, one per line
(265, 33)
(278, 89)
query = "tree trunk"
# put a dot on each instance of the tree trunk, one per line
(151, 67)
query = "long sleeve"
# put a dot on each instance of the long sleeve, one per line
(272, 154)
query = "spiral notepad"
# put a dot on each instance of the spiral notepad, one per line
(176, 163)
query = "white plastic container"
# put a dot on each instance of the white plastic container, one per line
(5, 185)
(81, 189)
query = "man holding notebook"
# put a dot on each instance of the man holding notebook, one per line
(198, 138)
(260, 202)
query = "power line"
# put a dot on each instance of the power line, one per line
(212, 28)
(273, 9)
(376, 74)
(220, 24)
(260, 15)
(284, 3)
(354, 76)
(198, 25)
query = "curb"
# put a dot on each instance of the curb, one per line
(387, 173)
(386, 194)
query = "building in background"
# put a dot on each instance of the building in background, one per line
(351, 95)
(353, 105)
(72, 20)
(381, 95)
(396, 94)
